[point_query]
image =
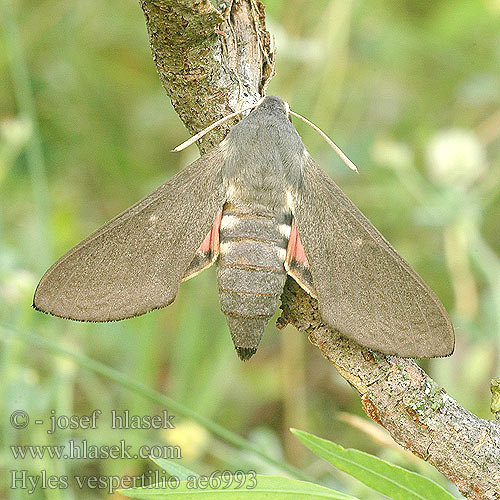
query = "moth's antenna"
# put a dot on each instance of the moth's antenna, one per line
(200, 134)
(343, 157)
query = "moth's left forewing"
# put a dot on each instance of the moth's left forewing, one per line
(135, 262)
(365, 289)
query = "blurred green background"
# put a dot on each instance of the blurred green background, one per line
(410, 91)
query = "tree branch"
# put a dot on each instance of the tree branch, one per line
(213, 60)
(397, 394)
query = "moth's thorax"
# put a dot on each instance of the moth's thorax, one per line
(265, 158)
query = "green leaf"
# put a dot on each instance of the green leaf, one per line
(391, 480)
(248, 487)
(174, 468)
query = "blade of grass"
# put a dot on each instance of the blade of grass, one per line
(174, 468)
(254, 488)
(143, 390)
(395, 482)
(21, 83)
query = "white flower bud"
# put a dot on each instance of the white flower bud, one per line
(455, 157)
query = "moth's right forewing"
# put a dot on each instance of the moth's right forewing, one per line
(135, 262)
(365, 289)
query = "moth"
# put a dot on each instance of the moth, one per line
(259, 207)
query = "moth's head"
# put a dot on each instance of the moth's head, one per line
(274, 104)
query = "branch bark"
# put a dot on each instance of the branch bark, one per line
(215, 58)
(211, 61)
(397, 394)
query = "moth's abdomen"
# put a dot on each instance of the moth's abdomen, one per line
(250, 271)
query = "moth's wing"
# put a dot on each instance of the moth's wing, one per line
(207, 252)
(296, 263)
(365, 289)
(135, 262)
